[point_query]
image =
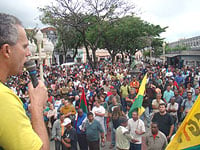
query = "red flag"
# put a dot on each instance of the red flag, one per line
(83, 102)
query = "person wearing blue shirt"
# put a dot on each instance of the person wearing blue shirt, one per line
(179, 79)
(82, 141)
(168, 94)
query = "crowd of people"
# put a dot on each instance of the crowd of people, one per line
(110, 90)
(84, 104)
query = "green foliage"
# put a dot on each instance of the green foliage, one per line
(129, 33)
(100, 24)
(177, 48)
(146, 53)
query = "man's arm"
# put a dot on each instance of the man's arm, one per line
(67, 143)
(154, 105)
(171, 131)
(154, 119)
(54, 134)
(100, 114)
(38, 97)
(165, 143)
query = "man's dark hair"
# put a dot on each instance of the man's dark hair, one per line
(162, 104)
(155, 123)
(90, 113)
(8, 29)
(135, 111)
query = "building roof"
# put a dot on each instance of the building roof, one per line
(48, 29)
(183, 53)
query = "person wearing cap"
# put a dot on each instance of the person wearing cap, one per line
(69, 138)
(123, 136)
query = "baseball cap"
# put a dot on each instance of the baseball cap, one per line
(66, 121)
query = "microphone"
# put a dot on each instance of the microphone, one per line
(31, 67)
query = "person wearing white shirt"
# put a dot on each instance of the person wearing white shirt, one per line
(76, 83)
(137, 129)
(123, 136)
(172, 108)
(99, 113)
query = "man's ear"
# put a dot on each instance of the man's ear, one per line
(5, 50)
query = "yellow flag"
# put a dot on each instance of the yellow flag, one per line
(141, 111)
(139, 99)
(188, 134)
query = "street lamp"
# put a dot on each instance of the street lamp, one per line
(32, 48)
(48, 49)
(39, 38)
(164, 45)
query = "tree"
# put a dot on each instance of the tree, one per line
(87, 17)
(129, 33)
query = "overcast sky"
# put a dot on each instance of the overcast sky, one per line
(181, 16)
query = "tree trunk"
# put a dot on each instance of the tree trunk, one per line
(94, 58)
(75, 53)
(65, 50)
(88, 56)
(122, 57)
(113, 58)
(130, 60)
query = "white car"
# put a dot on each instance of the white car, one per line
(68, 64)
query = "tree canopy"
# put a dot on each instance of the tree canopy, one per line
(108, 24)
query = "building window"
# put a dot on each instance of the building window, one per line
(190, 63)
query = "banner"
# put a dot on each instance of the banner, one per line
(137, 105)
(188, 134)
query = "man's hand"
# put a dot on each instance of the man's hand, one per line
(134, 140)
(102, 140)
(137, 132)
(38, 96)
(168, 137)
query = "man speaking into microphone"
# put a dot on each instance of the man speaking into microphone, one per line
(16, 130)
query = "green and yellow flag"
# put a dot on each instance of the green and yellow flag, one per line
(188, 134)
(137, 105)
